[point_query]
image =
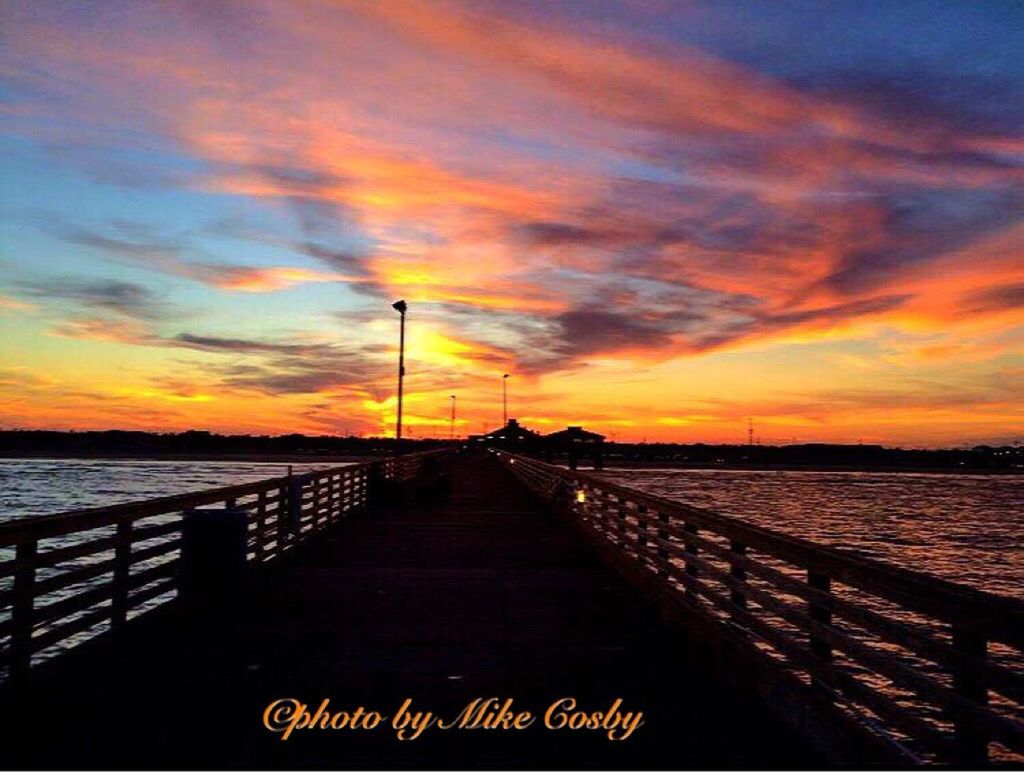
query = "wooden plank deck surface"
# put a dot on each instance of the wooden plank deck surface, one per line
(480, 594)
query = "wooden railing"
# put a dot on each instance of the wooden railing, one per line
(78, 574)
(931, 668)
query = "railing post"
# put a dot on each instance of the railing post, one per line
(317, 495)
(691, 549)
(327, 494)
(618, 523)
(22, 606)
(355, 493)
(663, 553)
(385, 487)
(282, 518)
(739, 574)
(122, 568)
(293, 519)
(261, 525)
(969, 682)
(819, 613)
(820, 649)
(619, 520)
(641, 531)
(335, 494)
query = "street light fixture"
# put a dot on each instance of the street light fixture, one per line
(400, 307)
(504, 399)
(452, 432)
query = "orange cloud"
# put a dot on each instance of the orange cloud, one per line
(275, 278)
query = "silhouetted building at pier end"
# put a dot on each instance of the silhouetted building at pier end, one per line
(512, 437)
(575, 442)
(572, 443)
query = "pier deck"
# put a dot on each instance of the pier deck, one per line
(482, 593)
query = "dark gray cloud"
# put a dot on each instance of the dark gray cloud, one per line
(280, 367)
(836, 312)
(298, 180)
(294, 376)
(320, 369)
(310, 193)
(950, 103)
(1002, 297)
(920, 226)
(245, 346)
(119, 297)
(552, 233)
(701, 323)
(342, 260)
(639, 217)
(135, 242)
(759, 322)
(592, 330)
(131, 239)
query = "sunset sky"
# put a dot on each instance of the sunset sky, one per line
(659, 217)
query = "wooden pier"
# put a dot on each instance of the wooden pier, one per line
(157, 633)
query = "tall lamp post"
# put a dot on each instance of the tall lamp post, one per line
(400, 307)
(452, 431)
(504, 399)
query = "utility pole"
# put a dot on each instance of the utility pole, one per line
(504, 400)
(400, 307)
(452, 432)
(750, 431)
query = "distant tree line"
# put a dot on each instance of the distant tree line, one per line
(818, 454)
(202, 443)
(128, 443)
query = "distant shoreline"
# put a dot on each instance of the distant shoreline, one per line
(611, 465)
(255, 458)
(696, 467)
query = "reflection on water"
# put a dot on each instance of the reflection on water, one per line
(966, 528)
(44, 486)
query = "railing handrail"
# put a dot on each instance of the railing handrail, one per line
(118, 565)
(14, 530)
(43, 526)
(952, 601)
(812, 634)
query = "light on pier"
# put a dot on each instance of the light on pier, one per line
(401, 307)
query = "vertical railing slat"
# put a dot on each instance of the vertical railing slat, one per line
(318, 507)
(261, 525)
(122, 569)
(969, 682)
(691, 549)
(820, 649)
(739, 575)
(22, 607)
(663, 555)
